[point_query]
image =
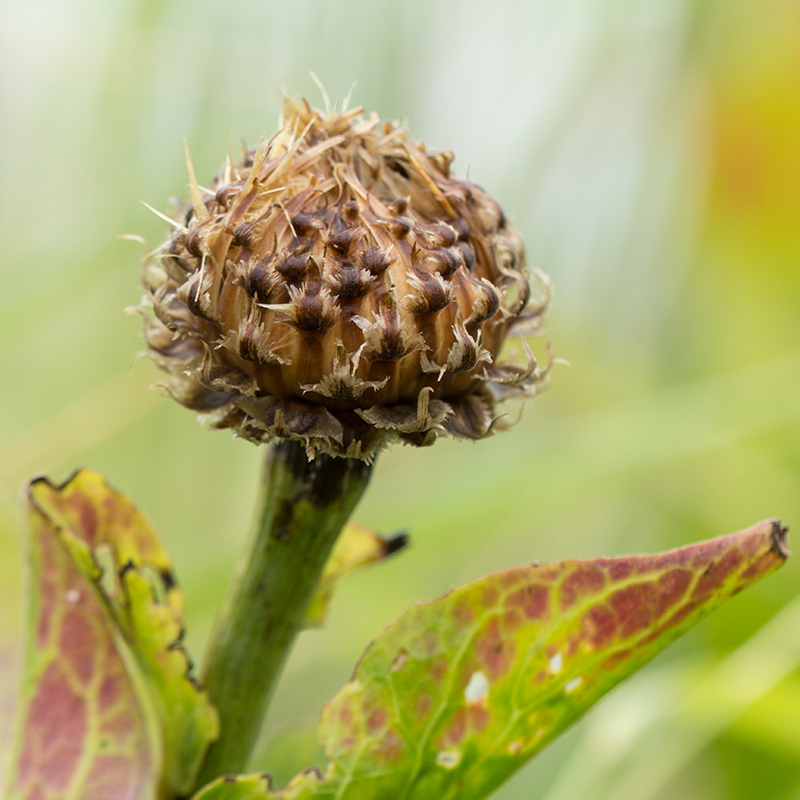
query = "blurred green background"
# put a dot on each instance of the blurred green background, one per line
(649, 150)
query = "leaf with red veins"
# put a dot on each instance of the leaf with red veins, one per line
(119, 554)
(86, 730)
(458, 693)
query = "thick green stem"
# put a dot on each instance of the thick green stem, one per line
(304, 505)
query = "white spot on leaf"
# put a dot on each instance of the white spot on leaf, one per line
(72, 596)
(399, 662)
(572, 685)
(556, 663)
(448, 758)
(477, 688)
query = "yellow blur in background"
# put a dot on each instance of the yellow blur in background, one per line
(649, 152)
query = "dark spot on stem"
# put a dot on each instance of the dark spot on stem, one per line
(325, 480)
(284, 517)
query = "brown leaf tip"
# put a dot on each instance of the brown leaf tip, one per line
(778, 539)
(396, 542)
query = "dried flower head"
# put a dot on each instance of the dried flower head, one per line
(341, 288)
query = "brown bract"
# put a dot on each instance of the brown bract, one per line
(341, 288)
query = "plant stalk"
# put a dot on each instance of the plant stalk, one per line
(303, 507)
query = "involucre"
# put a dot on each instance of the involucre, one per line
(340, 287)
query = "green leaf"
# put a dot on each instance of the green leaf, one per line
(458, 693)
(355, 548)
(87, 732)
(242, 787)
(117, 550)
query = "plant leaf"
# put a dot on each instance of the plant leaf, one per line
(458, 693)
(116, 548)
(87, 732)
(355, 548)
(233, 787)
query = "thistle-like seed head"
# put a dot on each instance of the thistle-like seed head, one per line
(341, 288)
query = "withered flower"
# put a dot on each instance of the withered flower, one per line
(341, 288)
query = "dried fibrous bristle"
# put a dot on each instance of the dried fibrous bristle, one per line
(341, 287)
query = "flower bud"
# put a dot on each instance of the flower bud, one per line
(340, 287)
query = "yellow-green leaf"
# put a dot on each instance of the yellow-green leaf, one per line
(87, 732)
(238, 787)
(460, 692)
(116, 548)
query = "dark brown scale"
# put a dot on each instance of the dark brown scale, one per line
(440, 235)
(447, 261)
(351, 210)
(248, 344)
(226, 194)
(299, 244)
(194, 243)
(193, 304)
(461, 228)
(399, 227)
(313, 284)
(433, 297)
(468, 254)
(375, 261)
(399, 206)
(349, 282)
(391, 345)
(294, 268)
(179, 266)
(342, 242)
(469, 358)
(310, 313)
(304, 223)
(491, 308)
(257, 281)
(244, 235)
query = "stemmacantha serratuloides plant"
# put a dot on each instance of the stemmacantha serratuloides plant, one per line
(336, 291)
